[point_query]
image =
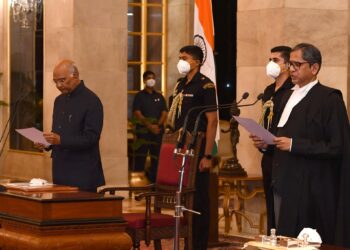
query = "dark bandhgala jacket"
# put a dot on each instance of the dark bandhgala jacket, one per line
(313, 177)
(78, 119)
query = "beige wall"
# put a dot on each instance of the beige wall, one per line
(262, 25)
(95, 37)
(180, 33)
(2, 50)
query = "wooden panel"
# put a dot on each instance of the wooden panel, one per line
(20, 207)
(74, 220)
(25, 186)
(88, 240)
(58, 196)
(49, 207)
(40, 230)
(90, 209)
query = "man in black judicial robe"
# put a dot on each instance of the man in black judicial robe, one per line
(76, 128)
(312, 155)
(278, 69)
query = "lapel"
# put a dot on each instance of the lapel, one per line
(284, 101)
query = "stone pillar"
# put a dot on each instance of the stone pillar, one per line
(262, 25)
(94, 35)
(3, 68)
(179, 34)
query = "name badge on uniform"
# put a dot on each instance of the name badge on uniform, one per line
(188, 95)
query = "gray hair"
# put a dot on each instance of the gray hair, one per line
(310, 53)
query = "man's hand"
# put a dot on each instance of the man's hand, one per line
(39, 146)
(52, 138)
(283, 143)
(258, 143)
(204, 164)
(154, 128)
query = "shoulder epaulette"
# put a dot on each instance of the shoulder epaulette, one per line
(209, 85)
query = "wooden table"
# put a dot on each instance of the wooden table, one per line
(329, 247)
(257, 246)
(237, 186)
(61, 220)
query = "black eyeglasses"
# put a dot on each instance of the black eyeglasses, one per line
(296, 65)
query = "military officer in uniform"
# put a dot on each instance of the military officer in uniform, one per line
(193, 90)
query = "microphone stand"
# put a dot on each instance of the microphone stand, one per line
(181, 139)
(217, 107)
(178, 207)
(195, 130)
(189, 152)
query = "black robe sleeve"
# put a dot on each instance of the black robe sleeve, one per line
(332, 121)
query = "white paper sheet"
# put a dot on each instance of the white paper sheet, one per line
(34, 135)
(255, 129)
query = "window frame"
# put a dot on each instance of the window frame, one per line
(144, 34)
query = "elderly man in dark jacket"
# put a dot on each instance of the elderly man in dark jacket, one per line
(76, 129)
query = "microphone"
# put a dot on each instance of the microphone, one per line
(258, 98)
(217, 107)
(181, 140)
(244, 96)
(11, 119)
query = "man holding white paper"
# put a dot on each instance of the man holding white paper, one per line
(310, 175)
(34, 135)
(277, 69)
(76, 128)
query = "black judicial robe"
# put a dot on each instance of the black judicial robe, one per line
(308, 177)
(78, 119)
(267, 159)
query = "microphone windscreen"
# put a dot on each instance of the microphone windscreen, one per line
(260, 96)
(245, 95)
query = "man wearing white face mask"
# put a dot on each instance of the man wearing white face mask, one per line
(150, 110)
(193, 90)
(277, 69)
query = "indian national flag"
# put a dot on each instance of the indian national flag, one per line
(204, 38)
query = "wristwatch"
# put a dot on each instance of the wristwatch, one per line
(208, 157)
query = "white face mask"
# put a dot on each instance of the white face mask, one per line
(273, 70)
(150, 83)
(183, 67)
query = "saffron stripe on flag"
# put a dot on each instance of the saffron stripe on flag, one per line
(204, 29)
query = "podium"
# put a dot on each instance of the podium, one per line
(61, 218)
